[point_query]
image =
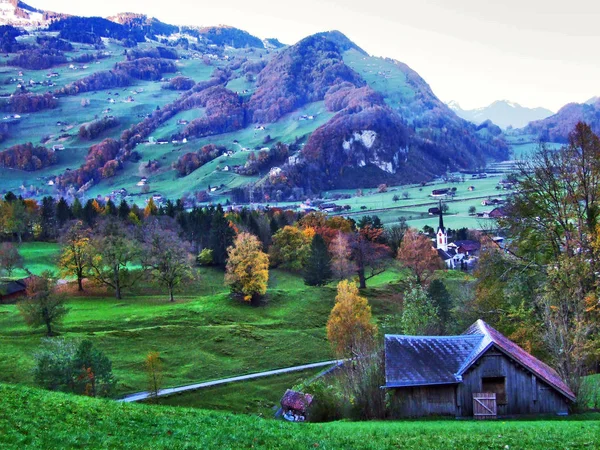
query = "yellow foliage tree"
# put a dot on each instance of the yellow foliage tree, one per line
(151, 208)
(97, 207)
(76, 253)
(349, 328)
(247, 270)
(154, 372)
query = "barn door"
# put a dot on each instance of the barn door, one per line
(484, 405)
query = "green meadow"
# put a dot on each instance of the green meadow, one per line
(31, 418)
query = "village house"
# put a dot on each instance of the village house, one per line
(479, 373)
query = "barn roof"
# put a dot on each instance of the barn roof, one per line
(422, 360)
(12, 287)
(296, 400)
(427, 360)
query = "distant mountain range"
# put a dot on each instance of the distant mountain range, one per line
(503, 113)
(557, 127)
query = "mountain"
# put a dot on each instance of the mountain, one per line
(295, 120)
(503, 113)
(382, 132)
(19, 14)
(557, 127)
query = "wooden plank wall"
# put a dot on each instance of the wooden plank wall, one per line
(525, 394)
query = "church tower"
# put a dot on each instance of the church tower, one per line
(442, 234)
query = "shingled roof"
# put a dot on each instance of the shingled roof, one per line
(422, 360)
(430, 360)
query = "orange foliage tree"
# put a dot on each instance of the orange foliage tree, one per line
(417, 253)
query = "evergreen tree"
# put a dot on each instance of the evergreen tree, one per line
(317, 271)
(48, 222)
(77, 209)
(90, 213)
(441, 300)
(63, 212)
(110, 209)
(124, 210)
(221, 236)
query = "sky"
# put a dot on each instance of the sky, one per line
(533, 52)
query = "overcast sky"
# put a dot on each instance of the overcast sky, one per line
(534, 52)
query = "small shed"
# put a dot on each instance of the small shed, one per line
(11, 290)
(294, 405)
(448, 375)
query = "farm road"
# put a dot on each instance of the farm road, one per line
(192, 387)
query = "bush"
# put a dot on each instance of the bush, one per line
(205, 258)
(327, 403)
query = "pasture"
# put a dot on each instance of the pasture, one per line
(34, 418)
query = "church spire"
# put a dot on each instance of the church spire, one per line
(441, 227)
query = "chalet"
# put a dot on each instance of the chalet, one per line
(497, 213)
(433, 211)
(440, 192)
(467, 247)
(58, 147)
(294, 405)
(478, 373)
(471, 188)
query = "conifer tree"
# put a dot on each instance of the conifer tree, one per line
(221, 236)
(317, 271)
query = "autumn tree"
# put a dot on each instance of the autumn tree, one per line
(419, 314)
(291, 247)
(349, 327)
(154, 374)
(317, 271)
(247, 270)
(113, 251)
(42, 307)
(10, 258)
(369, 254)
(553, 220)
(166, 256)
(151, 209)
(417, 253)
(342, 266)
(76, 254)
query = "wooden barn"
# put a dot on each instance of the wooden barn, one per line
(12, 290)
(480, 373)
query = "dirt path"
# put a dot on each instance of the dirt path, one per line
(192, 387)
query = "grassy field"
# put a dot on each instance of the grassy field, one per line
(38, 257)
(257, 397)
(31, 418)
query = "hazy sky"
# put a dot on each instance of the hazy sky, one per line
(534, 52)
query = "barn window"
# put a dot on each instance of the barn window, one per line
(496, 385)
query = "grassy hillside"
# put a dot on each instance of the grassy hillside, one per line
(257, 397)
(36, 419)
(204, 335)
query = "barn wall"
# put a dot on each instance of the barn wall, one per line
(525, 393)
(424, 401)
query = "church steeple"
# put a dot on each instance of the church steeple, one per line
(442, 234)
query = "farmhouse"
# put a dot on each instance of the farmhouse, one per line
(479, 373)
(440, 192)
